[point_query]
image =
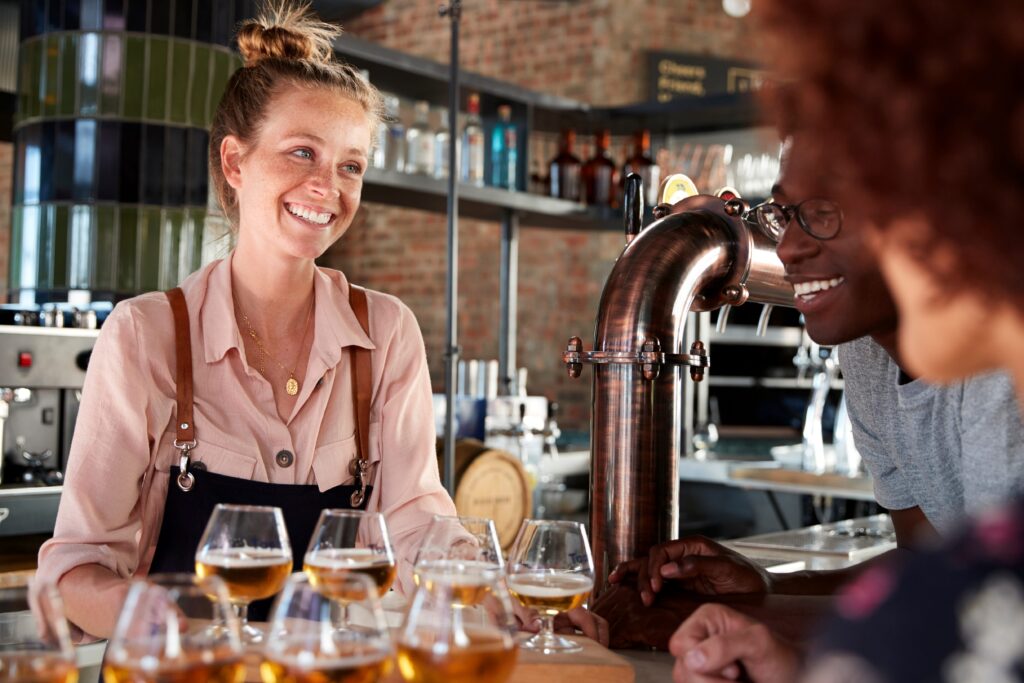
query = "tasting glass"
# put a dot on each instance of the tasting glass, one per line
(246, 546)
(346, 542)
(175, 627)
(551, 570)
(309, 643)
(465, 550)
(446, 640)
(35, 645)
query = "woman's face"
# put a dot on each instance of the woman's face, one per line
(944, 333)
(298, 183)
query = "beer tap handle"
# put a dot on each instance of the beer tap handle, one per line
(633, 206)
(762, 323)
(723, 318)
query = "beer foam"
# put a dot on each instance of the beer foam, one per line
(345, 558)
(459, 572)
(550, 585)
(244, 558)
(307, 661)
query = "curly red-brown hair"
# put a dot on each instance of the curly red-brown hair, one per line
(911, 107)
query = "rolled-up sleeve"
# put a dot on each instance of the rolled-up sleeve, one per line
(408, 488)
(100, 516)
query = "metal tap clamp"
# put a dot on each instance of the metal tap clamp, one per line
(650, 358)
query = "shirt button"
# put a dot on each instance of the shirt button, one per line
(284, 458)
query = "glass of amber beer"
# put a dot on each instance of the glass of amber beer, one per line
(175, 627)
(309, 644)
(551, 570)
(444, 639)
(463, 551)
(349, 542)
(247, 547)
(35, 647)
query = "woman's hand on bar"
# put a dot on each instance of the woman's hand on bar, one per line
(699, 564)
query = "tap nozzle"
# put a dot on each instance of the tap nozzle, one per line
(762, 323)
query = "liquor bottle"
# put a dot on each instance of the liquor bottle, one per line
(389, 155)
(599, 174)
(564, 170)
(441, 138)
(472, 152)
(503, 150)
(419, 142)
(644, 166)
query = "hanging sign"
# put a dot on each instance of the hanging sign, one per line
(671, 75)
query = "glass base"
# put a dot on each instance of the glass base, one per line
(550, 644)
(251, 635)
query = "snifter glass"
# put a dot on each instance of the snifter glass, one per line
(247, 546)
(349, 542)
(463, 550)
(175, 627)
(35, 647)
(309, 643)
(551, 570)
(445, 640)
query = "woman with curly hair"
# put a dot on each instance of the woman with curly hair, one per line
(916, 108)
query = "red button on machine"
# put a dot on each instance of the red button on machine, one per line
(24, 359)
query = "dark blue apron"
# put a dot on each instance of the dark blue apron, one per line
(192, 495)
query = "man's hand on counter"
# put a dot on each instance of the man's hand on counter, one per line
(718, 642)
(699, 564)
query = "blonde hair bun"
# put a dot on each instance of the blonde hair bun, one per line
(286, 30)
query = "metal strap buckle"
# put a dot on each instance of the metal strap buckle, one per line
(358, 467)
(185, 479)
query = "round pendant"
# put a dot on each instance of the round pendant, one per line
(292, 386)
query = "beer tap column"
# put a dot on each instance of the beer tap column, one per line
(698, 258)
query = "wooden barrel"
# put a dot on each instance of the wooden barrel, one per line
(490, 483)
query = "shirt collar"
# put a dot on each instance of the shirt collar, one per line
(335, 325)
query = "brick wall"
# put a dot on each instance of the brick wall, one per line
(590, 50)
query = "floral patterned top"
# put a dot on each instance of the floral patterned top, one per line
(954, 614)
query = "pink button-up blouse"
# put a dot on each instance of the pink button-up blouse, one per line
(117, 473)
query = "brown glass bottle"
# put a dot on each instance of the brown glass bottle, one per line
(599, 174)
(564, 170)
(643, 165)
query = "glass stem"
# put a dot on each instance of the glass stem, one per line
(242, 612)
(547, 626)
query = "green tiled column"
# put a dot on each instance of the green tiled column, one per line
(107, 95)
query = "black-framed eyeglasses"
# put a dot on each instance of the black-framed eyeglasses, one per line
(819, 218)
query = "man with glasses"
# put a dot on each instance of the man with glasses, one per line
(935, 453)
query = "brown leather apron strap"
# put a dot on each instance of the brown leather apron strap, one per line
(362, 391)
(185, 438)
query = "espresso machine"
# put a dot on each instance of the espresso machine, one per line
(700, 254)
(44, 352)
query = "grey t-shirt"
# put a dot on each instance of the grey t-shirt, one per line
(950, 450)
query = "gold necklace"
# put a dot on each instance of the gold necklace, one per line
(291, 387)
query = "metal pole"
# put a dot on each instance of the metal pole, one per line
(509, 279)
(453, 10)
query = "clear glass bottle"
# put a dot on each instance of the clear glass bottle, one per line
(644, 165)
(441, 138)
(472, 152)
(419, 142)
(564, 170)
(600, 175)
(504, 150)
(389, 154)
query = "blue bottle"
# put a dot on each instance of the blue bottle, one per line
(503, 150)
